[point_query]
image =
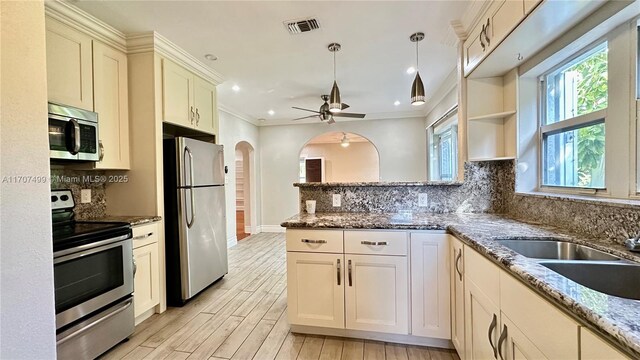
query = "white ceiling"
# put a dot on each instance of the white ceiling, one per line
(336, 137)
(276, 70)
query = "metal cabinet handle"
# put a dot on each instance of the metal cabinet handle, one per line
(349, 272)
(192, 115)
(135, 267)
(311, 241)
(492, 327)
(374, 243)
(486, 36)
(197, 117)
(100, 150)
(142, 236)
(338, 272)
(457, 264)
(482, 44)
(503, 337)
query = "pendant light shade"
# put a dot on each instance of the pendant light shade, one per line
(335, 103)
(417, 89)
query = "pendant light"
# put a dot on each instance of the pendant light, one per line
(335, 104)
(417, 89)
(345, 141)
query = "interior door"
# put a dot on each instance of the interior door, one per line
(481, 323)
(314, 170)
(315, 289)
(376, 293)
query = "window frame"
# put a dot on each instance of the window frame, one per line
(567, 124)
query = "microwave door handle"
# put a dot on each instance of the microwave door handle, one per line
(72, 133)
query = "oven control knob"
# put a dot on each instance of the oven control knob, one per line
(64, 197)
(54, 198)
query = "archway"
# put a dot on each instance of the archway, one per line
(339, 157)
(244, 190)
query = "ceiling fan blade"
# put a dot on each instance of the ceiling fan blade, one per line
(299, 108)
(350, 115)
(331, 121)
(304, 117)
(344, 106)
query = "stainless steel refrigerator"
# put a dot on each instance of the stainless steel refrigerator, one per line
(195, 221)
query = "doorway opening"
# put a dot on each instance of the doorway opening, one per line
(245, 179)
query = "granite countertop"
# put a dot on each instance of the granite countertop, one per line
(377, 183)
(133, 220)
(614, 317)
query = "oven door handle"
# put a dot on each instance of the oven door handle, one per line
(115, 312)
(84, 248)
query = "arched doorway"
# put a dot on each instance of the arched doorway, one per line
(339, 157)
(245, 189)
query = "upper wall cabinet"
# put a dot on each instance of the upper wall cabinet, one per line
(69, 77)
(85, 73)
(187, 99)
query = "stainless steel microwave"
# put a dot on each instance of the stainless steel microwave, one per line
(73, 133)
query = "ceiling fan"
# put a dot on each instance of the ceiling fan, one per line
(324, 114)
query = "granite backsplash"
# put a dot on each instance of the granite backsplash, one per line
(482, 191)
(75, 180)
(489, 187)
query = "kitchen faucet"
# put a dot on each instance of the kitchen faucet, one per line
(633, 244)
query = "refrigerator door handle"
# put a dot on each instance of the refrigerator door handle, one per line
(187, 151)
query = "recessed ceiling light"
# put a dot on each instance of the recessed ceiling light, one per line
(396, 103)
(211, 57)
(271, 112)
(235, 88)
(411, 70)
(261, 119)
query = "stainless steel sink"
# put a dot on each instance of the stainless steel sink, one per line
(617, 279)
(555, 250)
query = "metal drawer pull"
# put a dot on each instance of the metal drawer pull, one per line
(142, 236)
(503, 337)
(310, 241)
(350, 280)
(457, 263)
(374, 243)
(339, 272)
(492, 327)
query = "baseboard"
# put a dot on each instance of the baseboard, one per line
(247, 230)
(232, 241)
(272, 229)
(371, 335)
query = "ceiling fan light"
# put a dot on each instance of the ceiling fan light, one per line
(345, 141)
(417, 91)
(335, 104)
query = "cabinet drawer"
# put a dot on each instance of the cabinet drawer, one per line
(145, 234)
(483, 273)
(327, 241)
(376, 242)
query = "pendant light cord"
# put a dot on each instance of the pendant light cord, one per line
(417, 59)
(334, 66)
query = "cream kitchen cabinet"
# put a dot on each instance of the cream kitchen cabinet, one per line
(457, 294)
(188, 100)
(69, 64)
(430, 285)
(592, 347)
(146, 281)
(376, 294)
(315, 289)
(514, 344)
(111, 102)
(481, 323)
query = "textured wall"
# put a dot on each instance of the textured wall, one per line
(482, 191)
(27, 314)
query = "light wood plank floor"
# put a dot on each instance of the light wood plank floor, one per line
(243, 316)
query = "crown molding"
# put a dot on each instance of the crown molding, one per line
(458, 28)
(152, 41)
(86, 23)
(238, 115)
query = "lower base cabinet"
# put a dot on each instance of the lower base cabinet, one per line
(146, 280)
(592, 347)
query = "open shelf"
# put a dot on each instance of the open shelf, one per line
(500, 115)
(493, 158)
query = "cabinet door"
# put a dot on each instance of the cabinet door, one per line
(504, 18)
(112, 105)
(515, 345)
(529, 5)
(481, 324)
(69, 78)
(376, 294)
(146, 283)
(430, 286)
(177, 95)
(592, 347)
(315, 289)
(206, 107)
(474, 50)
(457, 295)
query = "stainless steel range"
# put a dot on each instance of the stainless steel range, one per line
(93, 275)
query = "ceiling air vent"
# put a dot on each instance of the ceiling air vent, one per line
(302, 26)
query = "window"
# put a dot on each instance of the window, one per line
(443, 147)
(575, 100)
